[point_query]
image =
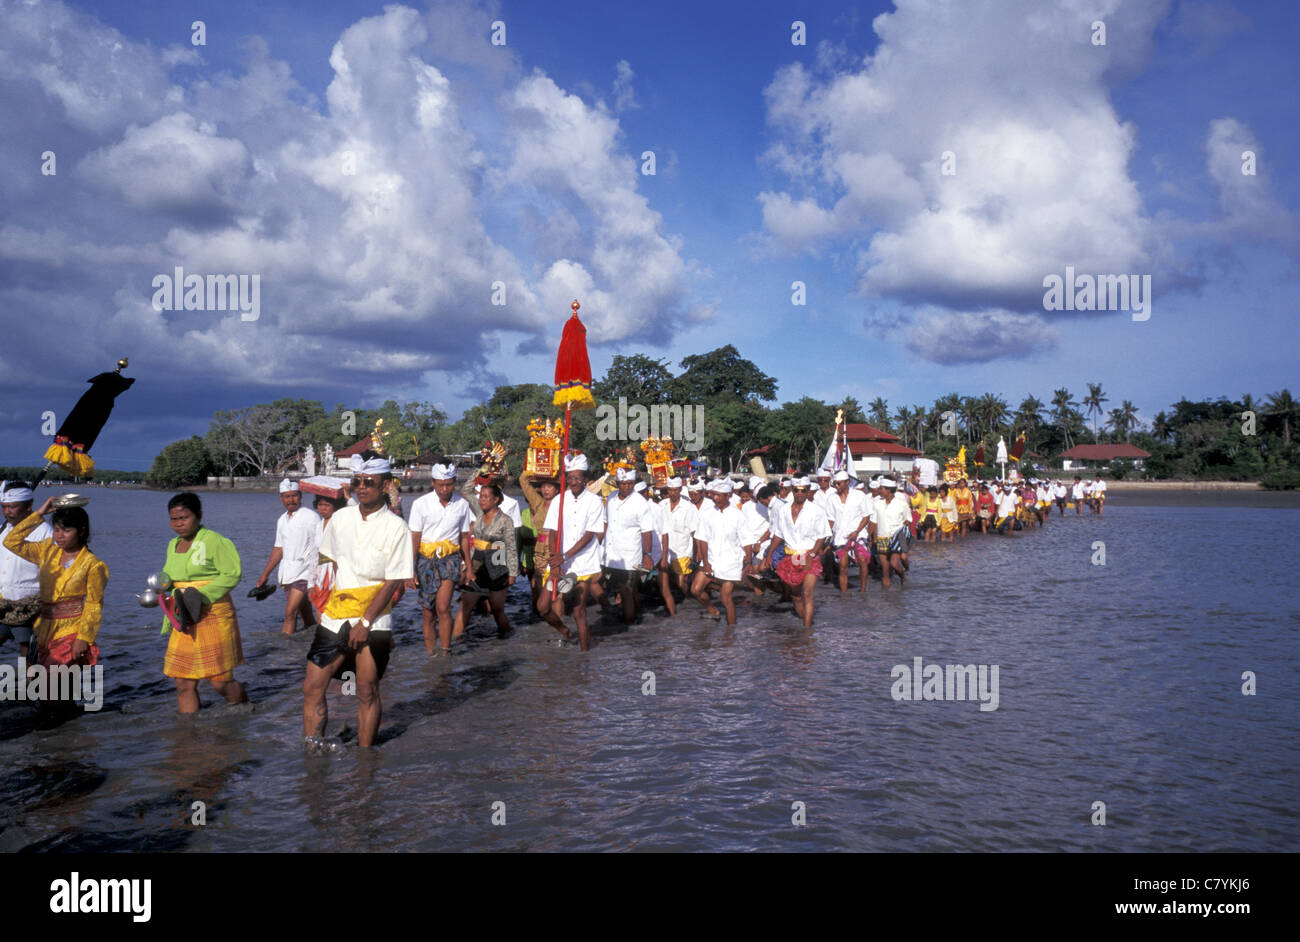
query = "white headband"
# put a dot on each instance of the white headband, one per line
(359, 465)
(286, 486)
(800, 482)
(841, 476)
(623, 474)
(674, 483)
(443, 472)
(640, 486)
(696, 487)
(14, 495)
(575, 463)
(720, 486)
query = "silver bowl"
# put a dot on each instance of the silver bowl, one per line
(159, 582)
(148, 599)
(63, 501)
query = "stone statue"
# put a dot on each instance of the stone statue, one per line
(329, 458)
(309, 461)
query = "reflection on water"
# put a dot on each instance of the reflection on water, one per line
(1118, 683)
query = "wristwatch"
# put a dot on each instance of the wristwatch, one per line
(364, 623)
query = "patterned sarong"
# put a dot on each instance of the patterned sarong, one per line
(430, 573)
(213, 650)
(793, 575)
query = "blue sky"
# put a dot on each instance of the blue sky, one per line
(520, 163)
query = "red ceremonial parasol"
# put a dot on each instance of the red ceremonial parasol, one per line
(1018, 449)
(573, 391)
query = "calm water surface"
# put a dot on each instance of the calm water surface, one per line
(1118, 683)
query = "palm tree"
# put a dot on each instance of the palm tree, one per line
(904, 418)
(1281, 403)
(994, 411)
(1094, 401)
(1161, 427)
(880, 414)
(1127, 413)
(918, 424)
(1062, 404)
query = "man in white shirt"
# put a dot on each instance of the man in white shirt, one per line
(892, 517)
(440, 526)
(927, 470)
(850, 518)
(719, 540)
(1099, 497)
(19, 579)
(682, 520)
(802, 530)
(370, 547)
(1008, 500)
(296, 535)
(755, 535)
(1059, 493)
(1076, 495)
(629, 535)
(575, 553)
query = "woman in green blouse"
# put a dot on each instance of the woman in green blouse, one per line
(207, 646)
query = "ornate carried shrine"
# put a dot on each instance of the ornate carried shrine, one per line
(543, 459)
(955, 468)
(658, 459)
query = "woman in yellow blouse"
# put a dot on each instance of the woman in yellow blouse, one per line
(72, 585)
(202, 561)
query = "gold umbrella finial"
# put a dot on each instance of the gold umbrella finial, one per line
(121, 365)
(575, 307)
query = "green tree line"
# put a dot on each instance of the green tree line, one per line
(1229, 439)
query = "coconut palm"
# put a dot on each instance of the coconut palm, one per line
(879, 412)
(1094, 401)
(1062, 405)
(1281, 404)
(903, 416)
(1126, 415)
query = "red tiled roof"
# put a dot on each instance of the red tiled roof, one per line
(862, 432)
(1104, 452)
(353, 449)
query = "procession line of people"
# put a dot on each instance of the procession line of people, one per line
(345, 564)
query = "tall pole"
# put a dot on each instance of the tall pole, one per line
(564, 487)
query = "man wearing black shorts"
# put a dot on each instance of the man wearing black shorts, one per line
(371, 549)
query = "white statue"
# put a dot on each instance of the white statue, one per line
(329, 458)
(309, 461)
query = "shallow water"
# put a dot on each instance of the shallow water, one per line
(1118, 683)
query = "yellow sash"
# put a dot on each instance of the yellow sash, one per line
(352, 603)
(439, 548)
(482, 544)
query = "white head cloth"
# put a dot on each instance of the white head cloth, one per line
(841, 476)
(755, 483)
(443, 472)
(889, 483)
(287, 485)
(673, 483)
(786, 482)
(14, 495)
(720, 486)
(623, 474)
(801, 482)
(359, 465)
(575, 463)
(640, 486)
(823, 473)
(696, 487)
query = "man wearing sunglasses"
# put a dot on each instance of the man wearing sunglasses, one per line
(371, 549)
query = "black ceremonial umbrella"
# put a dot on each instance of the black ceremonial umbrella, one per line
(74, 438)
